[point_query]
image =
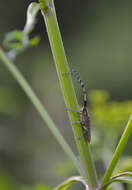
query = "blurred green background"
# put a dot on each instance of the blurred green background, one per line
(98, 43)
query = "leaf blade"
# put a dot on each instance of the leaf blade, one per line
(66, 184)
(125, 177)
(120, 147)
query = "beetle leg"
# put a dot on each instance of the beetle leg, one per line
(83, 135)
(71, 109)
(76, 122)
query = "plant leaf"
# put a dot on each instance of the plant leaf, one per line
(34, 41)
(125, 177)
(13, 35)
(66, 184)
(12, 39)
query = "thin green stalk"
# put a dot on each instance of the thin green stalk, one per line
(124, 138)
(49, 14)
(39, 107)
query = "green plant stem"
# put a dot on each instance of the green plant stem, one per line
(58, 52)
(124, 138)
(38, 105)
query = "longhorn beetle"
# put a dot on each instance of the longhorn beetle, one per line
(84, 115)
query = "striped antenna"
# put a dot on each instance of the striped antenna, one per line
(76, 74)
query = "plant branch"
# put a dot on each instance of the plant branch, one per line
(124, 138)
(39, 107)
(49, 14)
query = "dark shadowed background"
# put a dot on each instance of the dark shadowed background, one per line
(97, 36)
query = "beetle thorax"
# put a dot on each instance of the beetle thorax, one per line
(83, 115)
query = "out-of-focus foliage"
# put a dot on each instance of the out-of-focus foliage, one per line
(15, 39)
(12, 102)
(18, 41)
(109, 119)
(43, 187)
(111, 115)
(64, 168)
(108, 116)
(24, 187)
(6, 181)
(38, 187)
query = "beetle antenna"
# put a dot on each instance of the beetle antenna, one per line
(76, 74)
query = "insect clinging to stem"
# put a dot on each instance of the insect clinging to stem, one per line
(83, 113)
